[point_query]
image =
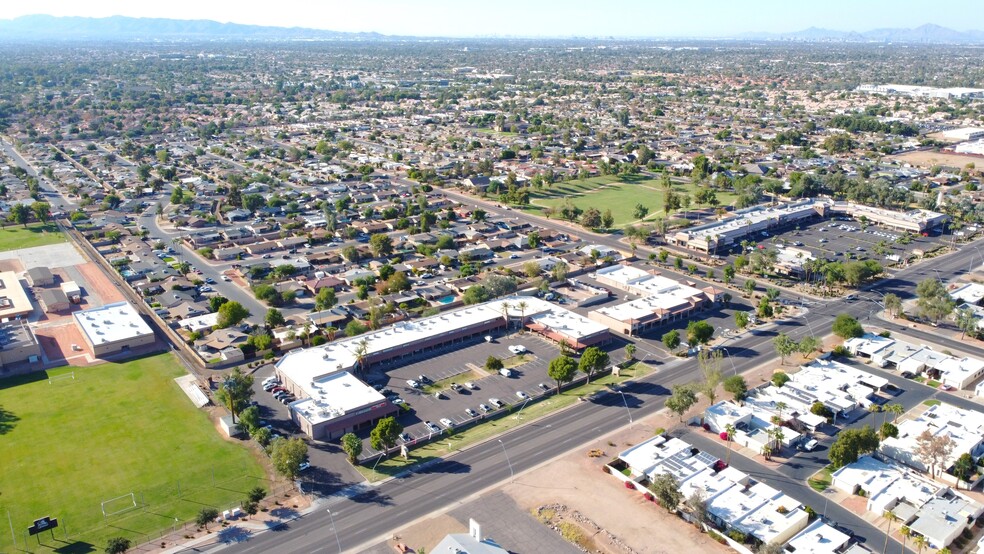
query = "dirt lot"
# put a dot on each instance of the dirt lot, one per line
(97, 282)
(56, 341)
(928, 158)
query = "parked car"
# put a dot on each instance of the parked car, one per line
(455, 387)
(517, 348)
(522, 395)
(304, 466)
(496, 402)
(277, 389)
(505, 372)
(413, 384)
(447, 422)
(471, 386)
(405, 437)
(484, 408)
(270, 386)
(424, 379)
(431, 427)
(209, 280)
(471, 412)
(543, 386)
(811, 445)
(397, 400)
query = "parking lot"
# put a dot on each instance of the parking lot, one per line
(844, 239)
(434, 400)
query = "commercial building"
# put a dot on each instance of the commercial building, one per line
(914, 221)
(304, 368)
(113, 328)
(18, 343)
(922, 91)
(727, 233)
(335, 404)
(958, 373)
(13, 299)
(663, 300)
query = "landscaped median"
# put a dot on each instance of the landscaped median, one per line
(495, 424)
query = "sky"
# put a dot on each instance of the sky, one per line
(548, 18)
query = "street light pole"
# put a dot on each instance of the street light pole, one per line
(728, 352)
(511, 472)
(335, 529)
(624, 401)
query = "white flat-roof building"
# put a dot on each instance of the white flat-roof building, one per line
(819, 538)
(964, 427)
(971, 293)
(728, 232)
(915, 221)
(922, 91)
(200, 323)
(759, 510)
(336, 404)
(13, 299)
(113, 328)
(840, 387)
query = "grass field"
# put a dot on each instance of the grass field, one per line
(488, 429)
(115, 429)
(608, 192)
(13, 237)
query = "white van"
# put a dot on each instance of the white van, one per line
(505, 372)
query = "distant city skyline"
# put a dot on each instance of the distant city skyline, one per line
(470, 18)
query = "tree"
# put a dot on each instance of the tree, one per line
(699, 332)
(607, 219)
(665, 487)
(591, 218)
(681, 400)
(764, 308)
(562, 370)
(888, 430)
(784, 346)
(42, 211)
(352, 445)
(729, 431)
(593, 359)
(640, 211)
(779, 379)
(671, 339)
(808, 345)
(933, 301)
(728, 274)
(967, 322)
(749, 286)
(630, 350)
(709, 362)
(21, 213)
(493, 364)
(216, 302)
(920, 543)
(737, 387)
(325, 299)
(117, 545)
(741, 320)
(963, 467)
(696, 504)
(385, 434)
(205, 516)
(770, 548)
(235, 392)
(851, 444)
(287, 455)
(846, 327)
(532, 269)
(890, 516)
(274, 318)
(381, 244)
(933, 450)
(231, 313)
(249, 419)
(893, 304)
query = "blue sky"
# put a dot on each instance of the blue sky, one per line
(596, 18)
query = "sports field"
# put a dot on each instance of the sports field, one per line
(68, 445)
(608, 192)
(13, 237)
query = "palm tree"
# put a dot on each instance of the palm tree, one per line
(906, 533)
(896, 410)
(874, 408)
(361, 352)
(330, 331)
(891, 517)
(505, 314)
(920, 542)
(522, 305)
(780, 406)
(729, 429)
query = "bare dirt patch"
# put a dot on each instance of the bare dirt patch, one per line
(57, 341)
(929, 158)
(96, 280)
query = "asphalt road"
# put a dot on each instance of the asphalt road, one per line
(366, 518)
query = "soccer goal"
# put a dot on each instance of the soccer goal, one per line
(62, 377)
(118, 505)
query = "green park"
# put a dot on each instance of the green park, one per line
(13, 237)
(119, 438)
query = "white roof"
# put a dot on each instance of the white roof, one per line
(201, 322)
(964, 427)
(818, 538)
(335, 395)
(111, 323)
(971, 293)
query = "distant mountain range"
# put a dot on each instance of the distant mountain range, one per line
(46, 28)
(924, 34)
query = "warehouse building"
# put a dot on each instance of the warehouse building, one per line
(113, 328)
(40, 277)
(13, 299)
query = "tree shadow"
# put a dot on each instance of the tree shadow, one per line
(7, 421)
(78, 547)
(233, 534)
(373, 497)
(446, 466)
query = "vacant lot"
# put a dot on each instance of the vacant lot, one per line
(70, 444)
(18, 236)
(621, 197)
(929, 158)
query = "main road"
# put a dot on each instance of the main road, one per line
(374, 513)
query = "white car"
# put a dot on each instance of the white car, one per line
(496, 402)
(522, 395)
(471, 412)
(517, 348)
(413, 384)
(471, 386)
(447, 422)
(811, 445)
(226, 278)
(431, 427)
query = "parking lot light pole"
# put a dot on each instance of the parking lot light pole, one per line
(335, 529)
(511, 472)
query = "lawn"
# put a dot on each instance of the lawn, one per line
(70, 444)
(493, 427)
(14, 237)
(608, 192)
(822, 479)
